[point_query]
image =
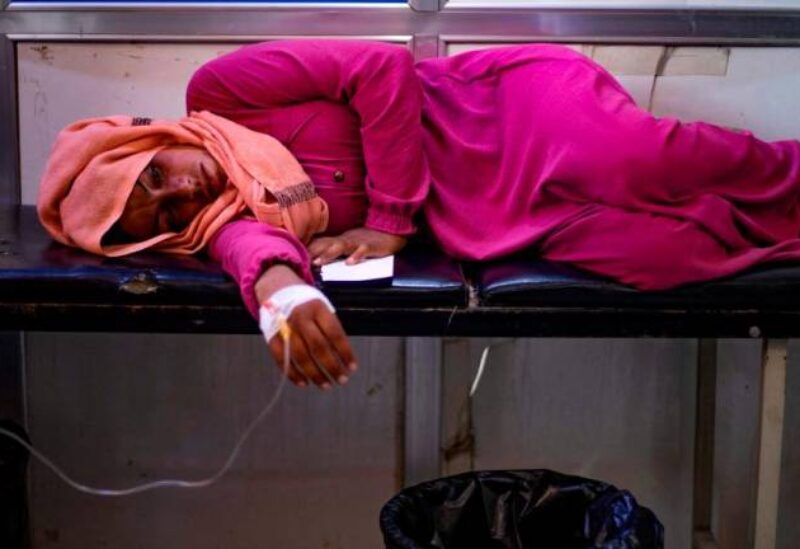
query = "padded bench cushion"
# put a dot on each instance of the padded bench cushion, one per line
(35, 268)
(45, 286)
(526, 282)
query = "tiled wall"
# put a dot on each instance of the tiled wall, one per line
(60, 83)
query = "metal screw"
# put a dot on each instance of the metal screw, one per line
(755, 331)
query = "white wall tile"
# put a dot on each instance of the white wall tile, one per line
(758, 92)
(685, 61)
(628, 60)
(60, 83)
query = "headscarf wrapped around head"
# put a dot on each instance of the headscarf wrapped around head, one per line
(95, 163)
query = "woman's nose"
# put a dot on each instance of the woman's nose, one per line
(182, 186)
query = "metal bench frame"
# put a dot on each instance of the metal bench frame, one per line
(428, 27)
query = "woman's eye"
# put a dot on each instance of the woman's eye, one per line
(141, 186)
(154, 173)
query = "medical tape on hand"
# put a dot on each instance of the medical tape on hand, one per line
(278, 308)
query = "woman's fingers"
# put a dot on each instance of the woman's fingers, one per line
(323, 355)
(319, 350)
(329, 251)
(361, 252)
(357, 244)
(295, 375)
(305, 361)
(330, 326)
(327, 348)
(326, 249)
(319, 345)
(320, 246)
(302, 368)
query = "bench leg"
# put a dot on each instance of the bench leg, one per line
(770, 439)
(705, 406)
(423, 410)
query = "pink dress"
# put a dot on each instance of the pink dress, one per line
(521, 147)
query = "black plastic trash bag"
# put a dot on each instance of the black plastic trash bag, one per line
(517, 510)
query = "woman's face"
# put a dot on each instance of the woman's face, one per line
(178, 183)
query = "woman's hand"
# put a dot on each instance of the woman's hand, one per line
(356, 244)
(320, 352)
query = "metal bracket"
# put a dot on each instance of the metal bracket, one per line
(9, 140)
(427, 5)
(426, 46)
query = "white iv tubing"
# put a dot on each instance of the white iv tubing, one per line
(169, 483)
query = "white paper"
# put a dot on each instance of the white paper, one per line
(369, 269)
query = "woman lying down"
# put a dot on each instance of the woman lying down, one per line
(300, 152)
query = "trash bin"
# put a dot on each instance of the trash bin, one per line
(517, 510)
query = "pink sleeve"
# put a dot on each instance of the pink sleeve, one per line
(245, 248)
(377, 80)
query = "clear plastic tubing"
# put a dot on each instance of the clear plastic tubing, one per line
(173, 483)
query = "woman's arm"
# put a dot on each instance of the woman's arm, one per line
(246, 247)
(377, 80)
(263, 259)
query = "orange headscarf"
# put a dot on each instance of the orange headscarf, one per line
(95, 164)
